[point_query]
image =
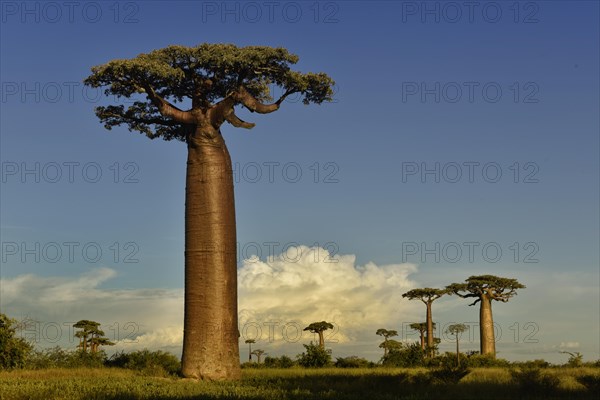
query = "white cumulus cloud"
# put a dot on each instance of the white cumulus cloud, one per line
(297, 288)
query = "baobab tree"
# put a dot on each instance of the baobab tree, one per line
(421, 327)
(386, 335)
(427, 296)
(250, 341)
(87, 329)
(390, 346)
(212, 80)
(484, 289)
(319, 328)
(90, 335)
(456, 330)
(258, 353)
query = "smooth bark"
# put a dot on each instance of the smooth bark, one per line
(210, 349)
(486, 327)
(429, 329)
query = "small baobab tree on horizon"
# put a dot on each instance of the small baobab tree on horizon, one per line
(421, 327)
(484, 289)
(258, 353)
(427, 296)
(456, 330)
(250, 342)
(319, 328)
(212, 80)
(386, 333)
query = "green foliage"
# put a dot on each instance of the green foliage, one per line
(317, 327)
(531, 364)
(279, 362)
(533, 381)
(353, 362)
(203, 74)
(486, 360)
(290, 384)
(425, 294)
(57, 357)
(13, 350)
(501, 289)
(449, 374)
(446, 360)
(575, 359)
(411, 355)
(314, 357)
(591, 382)
(152, 363)
(90, 336)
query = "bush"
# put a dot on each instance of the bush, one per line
(449, 375)
(591, 382)
(486, 360)
(409, 356)
(56, 357)
(532, 381)
(314, 357)
(13, 350)
(153, 363)
(353, 362)
(532, 364)
(281, 362)
(446, 360)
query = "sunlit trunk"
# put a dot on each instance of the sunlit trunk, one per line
(210, 340)
(486, 327)
(429, 321)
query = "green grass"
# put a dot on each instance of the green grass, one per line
(296, 384)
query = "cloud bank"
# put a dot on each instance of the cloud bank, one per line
(277, 298)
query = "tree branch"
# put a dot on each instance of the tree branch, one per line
(167, 109)
(475, 302)
(252, 104)
(237, 122)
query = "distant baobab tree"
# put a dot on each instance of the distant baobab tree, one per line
(456, 330)
(258, 353)
(212, 80)
(250, 342)
(427, 296)
(90, 335)
(319, 328)
(421, 327)
(386, 335)
(484, 289)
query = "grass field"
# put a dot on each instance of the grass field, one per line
(277, 384)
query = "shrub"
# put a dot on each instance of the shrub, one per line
(449, 375)
(532, 381)
(486, 360)
(446, 360)
(532, 364)
(13, 350)
(314, 357)
(154, 363)
(591, 382)
(281, 362)
(353, 362)
(409, 356)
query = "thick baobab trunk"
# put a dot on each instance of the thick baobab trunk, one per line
(210, 340)
(486, 327)
(429, 331)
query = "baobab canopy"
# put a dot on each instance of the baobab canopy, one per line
(207, 76)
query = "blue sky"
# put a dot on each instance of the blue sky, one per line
(506, 91)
